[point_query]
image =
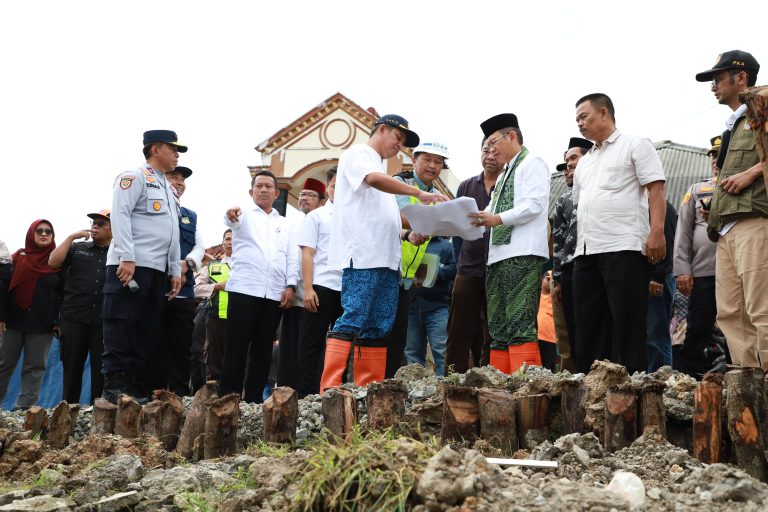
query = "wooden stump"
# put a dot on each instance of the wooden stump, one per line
(620, 417)
(652, 410)
(74, 414)
(461, 415)
(194, 424)
(497, 419)
(707, 414)
(573, 406)
(339, 412)
(60, 426)
(533, 420)
(744, 406)
(104, 413)
(127, 417)
(36, 421)
(151, 419)
(386, 404)
(172, 417)
(281, 413)
(221, 415)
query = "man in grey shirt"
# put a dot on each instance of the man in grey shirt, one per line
(144, 254)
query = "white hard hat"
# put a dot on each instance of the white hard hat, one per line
(434, 148)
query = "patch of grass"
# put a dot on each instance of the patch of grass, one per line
(454, 379)
(244, 481)
(194, 502)
(264, 449)
(371, 471)
(43, 481)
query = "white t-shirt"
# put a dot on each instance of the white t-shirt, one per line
(264, 262)
(365, 230)
(315, 232)
(609, 190)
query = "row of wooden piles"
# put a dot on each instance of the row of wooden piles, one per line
(503, 420)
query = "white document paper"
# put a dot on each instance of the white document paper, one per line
(445, 219)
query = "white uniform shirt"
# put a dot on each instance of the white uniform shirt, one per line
(528, 216)
(315, 232)
(264, 262)
(365, 229)
(609, 190)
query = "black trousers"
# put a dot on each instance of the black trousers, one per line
(566, 291)
(132, 320)
(288, 349)
(251, 324)
(467, 325)
(171, 357)
(313, 328)
(197, 350)
(702, 312)
(215, 341)
(610, 292)
(395, 340)
(78, 340)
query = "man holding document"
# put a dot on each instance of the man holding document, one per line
(517, 216)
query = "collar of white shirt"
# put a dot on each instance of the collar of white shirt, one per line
(733, 117)
(611, 138)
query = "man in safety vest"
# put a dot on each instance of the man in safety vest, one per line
(209, 284)
(428, 161)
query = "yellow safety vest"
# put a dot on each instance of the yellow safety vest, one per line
(219, 272)
(411, 254)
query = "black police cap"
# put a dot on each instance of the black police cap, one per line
(411, 137)
(167, 136)
(734, 59)
(185, 171)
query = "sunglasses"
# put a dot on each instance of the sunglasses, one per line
(44, 231)
(99, 223)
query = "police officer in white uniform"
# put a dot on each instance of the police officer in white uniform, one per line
(143, 256)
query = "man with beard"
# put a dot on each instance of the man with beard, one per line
(564, 240)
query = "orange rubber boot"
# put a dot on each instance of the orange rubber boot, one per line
(370, 364)
(336, 357)
(500, 360)
(524, 353)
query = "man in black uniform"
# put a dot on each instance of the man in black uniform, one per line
(85, 265)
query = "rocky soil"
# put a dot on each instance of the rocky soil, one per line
(110, 473)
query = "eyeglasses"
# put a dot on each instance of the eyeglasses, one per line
(99, 223)
(487, 147)
(309, 194)
(731, 73)
(44, 231)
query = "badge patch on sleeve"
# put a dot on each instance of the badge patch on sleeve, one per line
(686, 198)
(126, 182)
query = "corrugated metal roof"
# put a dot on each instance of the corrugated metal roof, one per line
(683, 165)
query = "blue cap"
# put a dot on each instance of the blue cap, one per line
(167, 136)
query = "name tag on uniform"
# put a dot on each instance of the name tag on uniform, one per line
(185, 220)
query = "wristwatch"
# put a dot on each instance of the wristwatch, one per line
(191, 263)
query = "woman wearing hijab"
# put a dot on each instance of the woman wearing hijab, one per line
(31, 307)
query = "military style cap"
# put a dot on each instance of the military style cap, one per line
(167, 136)
(734, 59)
(185, 171)
(716, 142)
(578, 142)
(411, 137)
(103, 214)
(315, 186)
(499, 122)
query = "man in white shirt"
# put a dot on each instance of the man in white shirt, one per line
(263, 279)
(311, 197)
(519, 245)
(322, 291)
(618, 186)
(365, 244)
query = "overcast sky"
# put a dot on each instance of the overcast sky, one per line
(81, 81)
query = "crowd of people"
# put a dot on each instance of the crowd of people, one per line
(345, 294)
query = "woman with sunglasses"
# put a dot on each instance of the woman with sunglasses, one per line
(30, 310)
